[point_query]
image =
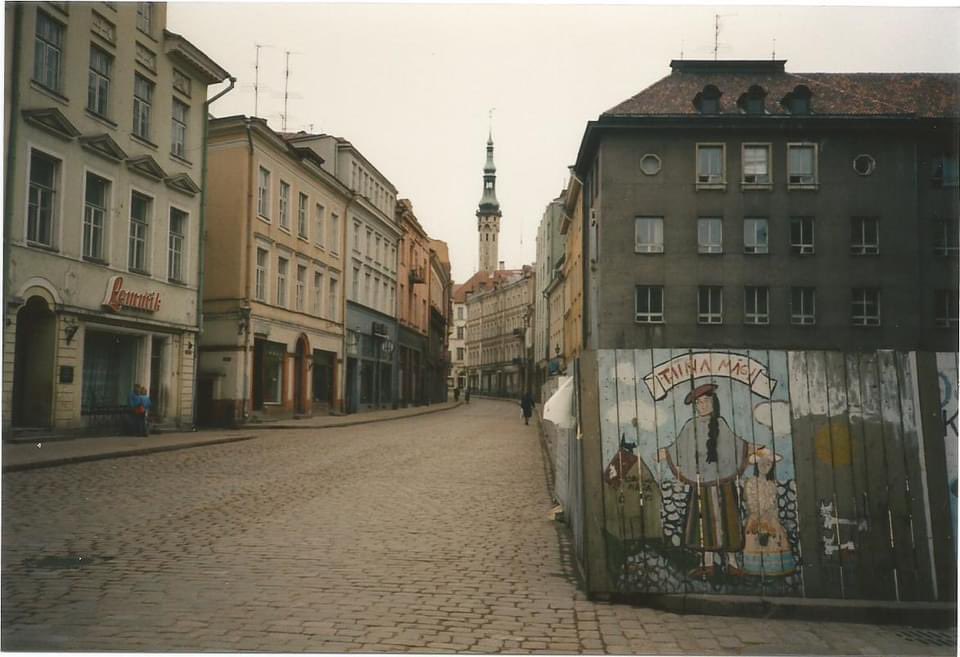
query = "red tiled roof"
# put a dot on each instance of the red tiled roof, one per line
(926, 95)
(483, 281)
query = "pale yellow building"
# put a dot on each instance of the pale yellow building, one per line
(572, 227)
(104, 137)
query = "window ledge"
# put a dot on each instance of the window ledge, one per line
(96, 116)
(142, 272)
(803, 324)
(262, 218)
(181, 159)
(177, 281)
(649, 321)
(303, 238)
(143, 140)
(757, 186)
(710, 253)
(284, 229)
(42, 246)
(814, 187)
(722, 187)
(53, 93)
(96, 261)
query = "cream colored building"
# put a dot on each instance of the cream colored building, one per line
(572, 228)
(274, 294)
(105, 114)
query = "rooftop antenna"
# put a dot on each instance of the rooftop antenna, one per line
(256, 80)
(774, 54)
(286, 84)
(716, 35)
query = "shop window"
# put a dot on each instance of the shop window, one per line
(42, 200)
(274, 354)
(109, 370)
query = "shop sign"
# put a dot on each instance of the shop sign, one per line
(117, 297)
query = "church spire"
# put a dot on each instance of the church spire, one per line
(488, 212)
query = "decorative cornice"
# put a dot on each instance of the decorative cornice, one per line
(53, 121)
(104, 146)
(182, 183)
(146, 166)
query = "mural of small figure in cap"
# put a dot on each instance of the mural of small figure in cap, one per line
(709, 457)
(767, 546)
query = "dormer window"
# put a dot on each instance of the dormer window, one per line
(753, 102)
(798, 100)
(708, 100)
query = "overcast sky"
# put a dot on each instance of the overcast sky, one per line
(412, 85)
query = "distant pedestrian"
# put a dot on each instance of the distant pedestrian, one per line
(145, 404)
(466, 395)
(135, 406)
(526, 405)
(456, 394)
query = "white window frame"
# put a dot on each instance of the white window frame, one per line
(143, 107)
(756, 180)
(184, 244)
(283, 275)
(946, 237)
(318, 292)
(709, 246)
(332, 301)
(643, 241)
(710, 315)
(859, 306)
(261, 288)
(803, 180)
(949, 301)
(284, 205)
(800, 314)
(751, 243)
(56, 199)
(179, 117)
(320, 221)
(711, 180)
(858, 243)
(300, 288)
(263, 193)
(650, 316)
(752, 297)
(48, 67)
(303, 216)
(89, 224)
(98, 83)
(334, 243)
(807, 244)
(132, 239)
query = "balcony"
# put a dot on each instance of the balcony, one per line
(417, 276)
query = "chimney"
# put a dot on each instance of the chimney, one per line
(502, 265)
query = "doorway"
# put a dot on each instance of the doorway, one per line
(299, 377)
(34, 354)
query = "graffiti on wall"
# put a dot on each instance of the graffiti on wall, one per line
(948, 379)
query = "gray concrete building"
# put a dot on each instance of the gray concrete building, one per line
(734, 204)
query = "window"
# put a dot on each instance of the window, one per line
(864, 236)
(460, 351)
(98, 81)
(94, 216)
(710, 161)
(145, 17)
(756, 304)
(946, 172)
(755, 237)
(649, 304)
(317, 294)
(947, 308)
(42, 198)
(301, 290)
(864, 165)
(48, 52)
(369, 250)
(140, 207)
(302, 204)
(283, 265)
(142, 104)
(865, 307)
(801, 235)
(946, 238)
(801, 165)
(376, 292)
(274, 354)
(284, 205)
(710, 305)
(460, 310)
(178, 134)
(803, 305)
(756, 164)
(261, 282)
(334, 233)
(263, 194)
(710, 235)
(356, 237)
(178, 235)
(459, 333)
(648, 235)
(366, 289)
(355, 285)
(320, 235)
(332, 302)
(650, 164)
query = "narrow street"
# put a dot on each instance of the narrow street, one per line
(426, 534)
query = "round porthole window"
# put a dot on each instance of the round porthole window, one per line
(864, 165)
(650, 164)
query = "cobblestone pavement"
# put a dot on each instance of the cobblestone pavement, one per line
(427, 534)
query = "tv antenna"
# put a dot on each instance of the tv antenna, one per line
(716, 33)
(286, 84)
(774, 54)
(256, 79)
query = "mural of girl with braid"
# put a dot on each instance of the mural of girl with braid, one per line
(709, 457)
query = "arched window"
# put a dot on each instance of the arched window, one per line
(708, 100)
(798, 100)
(753, 102)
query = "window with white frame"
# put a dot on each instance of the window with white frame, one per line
(756, 164)
(864, 236)
(865, 306)
(367, 295)
(710, 164)
(356, 237)
(96, 193)
(320, 219)
(332, 305)
(709, 235)
(801, 165)
(284, 205)
(355, 285)
(376, 292)
(648, 235)
(303, 202)
(42, 198)
(283, 270)
(946, 170)
(710, 304)
(145, 17)
(755, 236)
(142, 106)
(48, 52)
(947, 308)
(178, 129)
(756, 305)
(803, 306)
(260, 289)
(369, 250)
(801, 235)
(300, 298)
(460, 314)
(176, 246)
(648, 304)
(946, 237)
(263, 194)
(140, 210)
(98, 82)
(334, 243)
(318, 291)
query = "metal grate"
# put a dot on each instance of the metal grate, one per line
(930, 637)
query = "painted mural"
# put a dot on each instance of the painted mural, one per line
(769, 472)
(948, 379)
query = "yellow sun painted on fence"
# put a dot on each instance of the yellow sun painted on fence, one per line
(834, 444)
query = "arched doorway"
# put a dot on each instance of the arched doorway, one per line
(300, 376)
(33, 364)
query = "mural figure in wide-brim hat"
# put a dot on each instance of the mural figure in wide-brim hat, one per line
(766, 548)
(709, 457)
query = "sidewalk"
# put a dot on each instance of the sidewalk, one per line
(28, 456)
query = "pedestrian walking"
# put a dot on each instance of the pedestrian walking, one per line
(137, 410)
(526, 405)
(146, 403)
(456, 394)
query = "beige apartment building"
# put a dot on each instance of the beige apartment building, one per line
(441, 291)
(273, 296)
(572, 227)
(104, 137)
(413, 313)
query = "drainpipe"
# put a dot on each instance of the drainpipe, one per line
(343, 317)
(202, 243)
(11, 155)
(245, 311)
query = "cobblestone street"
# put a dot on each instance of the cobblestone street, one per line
(425, 534)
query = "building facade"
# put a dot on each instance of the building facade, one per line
(550, 256)
(440, 289)
(572, 228)
(488, 215)
(413, 312)
(458, 339)
(734, 204)
(273, 294)
(104, 139)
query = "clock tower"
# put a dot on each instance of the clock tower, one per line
(488, 214)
